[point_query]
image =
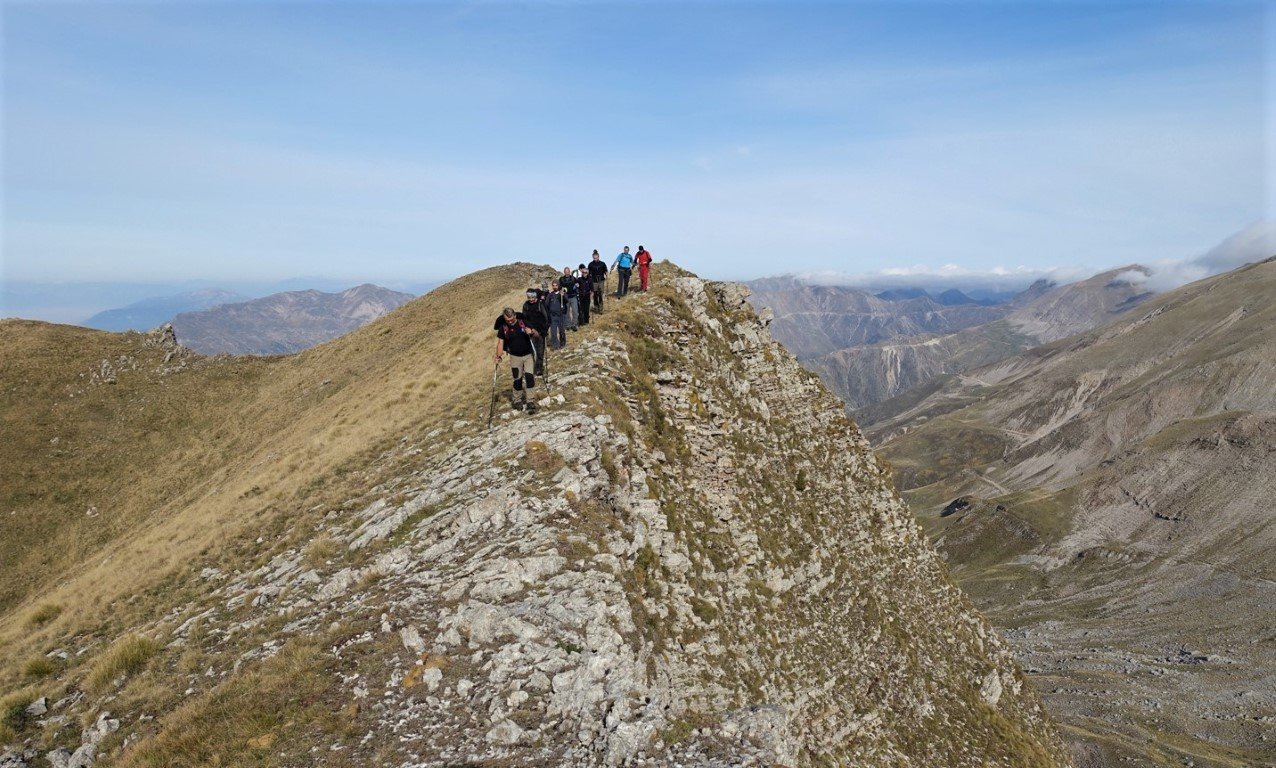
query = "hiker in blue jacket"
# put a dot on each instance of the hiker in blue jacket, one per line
(624, 266)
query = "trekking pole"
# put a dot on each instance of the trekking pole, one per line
(545, 372)
(535, 360)
(491, 411)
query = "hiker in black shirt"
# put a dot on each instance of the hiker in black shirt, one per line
(584, 293)
(517, 338)
(558, 316)
(598, 273)
(567, 284)
(537, 318)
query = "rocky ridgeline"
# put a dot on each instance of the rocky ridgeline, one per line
(689, 556)
(162, 338)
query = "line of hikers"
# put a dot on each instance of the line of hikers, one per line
(551, 311)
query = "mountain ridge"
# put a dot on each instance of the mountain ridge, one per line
(285, 322)
(867, 374)
(642, 572)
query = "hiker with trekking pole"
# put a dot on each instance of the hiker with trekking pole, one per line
(515, 337)
(536, 316)
(598, 274)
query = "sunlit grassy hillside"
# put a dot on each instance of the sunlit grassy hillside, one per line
(111, 492)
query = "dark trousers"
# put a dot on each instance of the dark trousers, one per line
(622, 281)
(600, 286)
(558, 330)
(583, 308)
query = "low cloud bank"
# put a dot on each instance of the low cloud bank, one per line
(1254, 243)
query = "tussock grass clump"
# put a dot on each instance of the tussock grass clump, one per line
(321, 550)
(43, 615)
(40, 666)
(542, 458)
(13, 713)
(128, 656)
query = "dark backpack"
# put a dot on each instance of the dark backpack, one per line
(536, 315)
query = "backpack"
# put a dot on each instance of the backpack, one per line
(536, 315)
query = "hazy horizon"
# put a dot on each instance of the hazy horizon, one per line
(413, 142)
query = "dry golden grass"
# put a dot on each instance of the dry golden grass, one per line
(43, 615)
(239, 721)
(321, 550)
(126, 657)
(39, 666)
(13, 715)
(187, 469)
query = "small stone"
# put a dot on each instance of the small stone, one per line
(58, 758)
(412, 639)
(38, 707)
(505, 732)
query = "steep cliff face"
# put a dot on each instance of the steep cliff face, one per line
(687, 556)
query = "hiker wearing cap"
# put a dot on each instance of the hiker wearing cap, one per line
(624, 265)
(567, 284)
(598, 273)
(643, 259)
(584, 293)
(556, 305)
(535, 316)
(518, 339)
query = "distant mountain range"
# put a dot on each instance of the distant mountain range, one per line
(869, 348)
(148, 313)
(949, 298)
(1107, 497)
(283, 323)
(814, 320)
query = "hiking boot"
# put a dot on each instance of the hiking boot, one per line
(531, 407)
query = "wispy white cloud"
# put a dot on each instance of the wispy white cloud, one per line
(1253, 243)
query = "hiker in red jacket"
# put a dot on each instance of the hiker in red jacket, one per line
(643, 257)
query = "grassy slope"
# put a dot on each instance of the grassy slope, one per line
(282, 433)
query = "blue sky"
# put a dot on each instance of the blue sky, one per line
(419, 141)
